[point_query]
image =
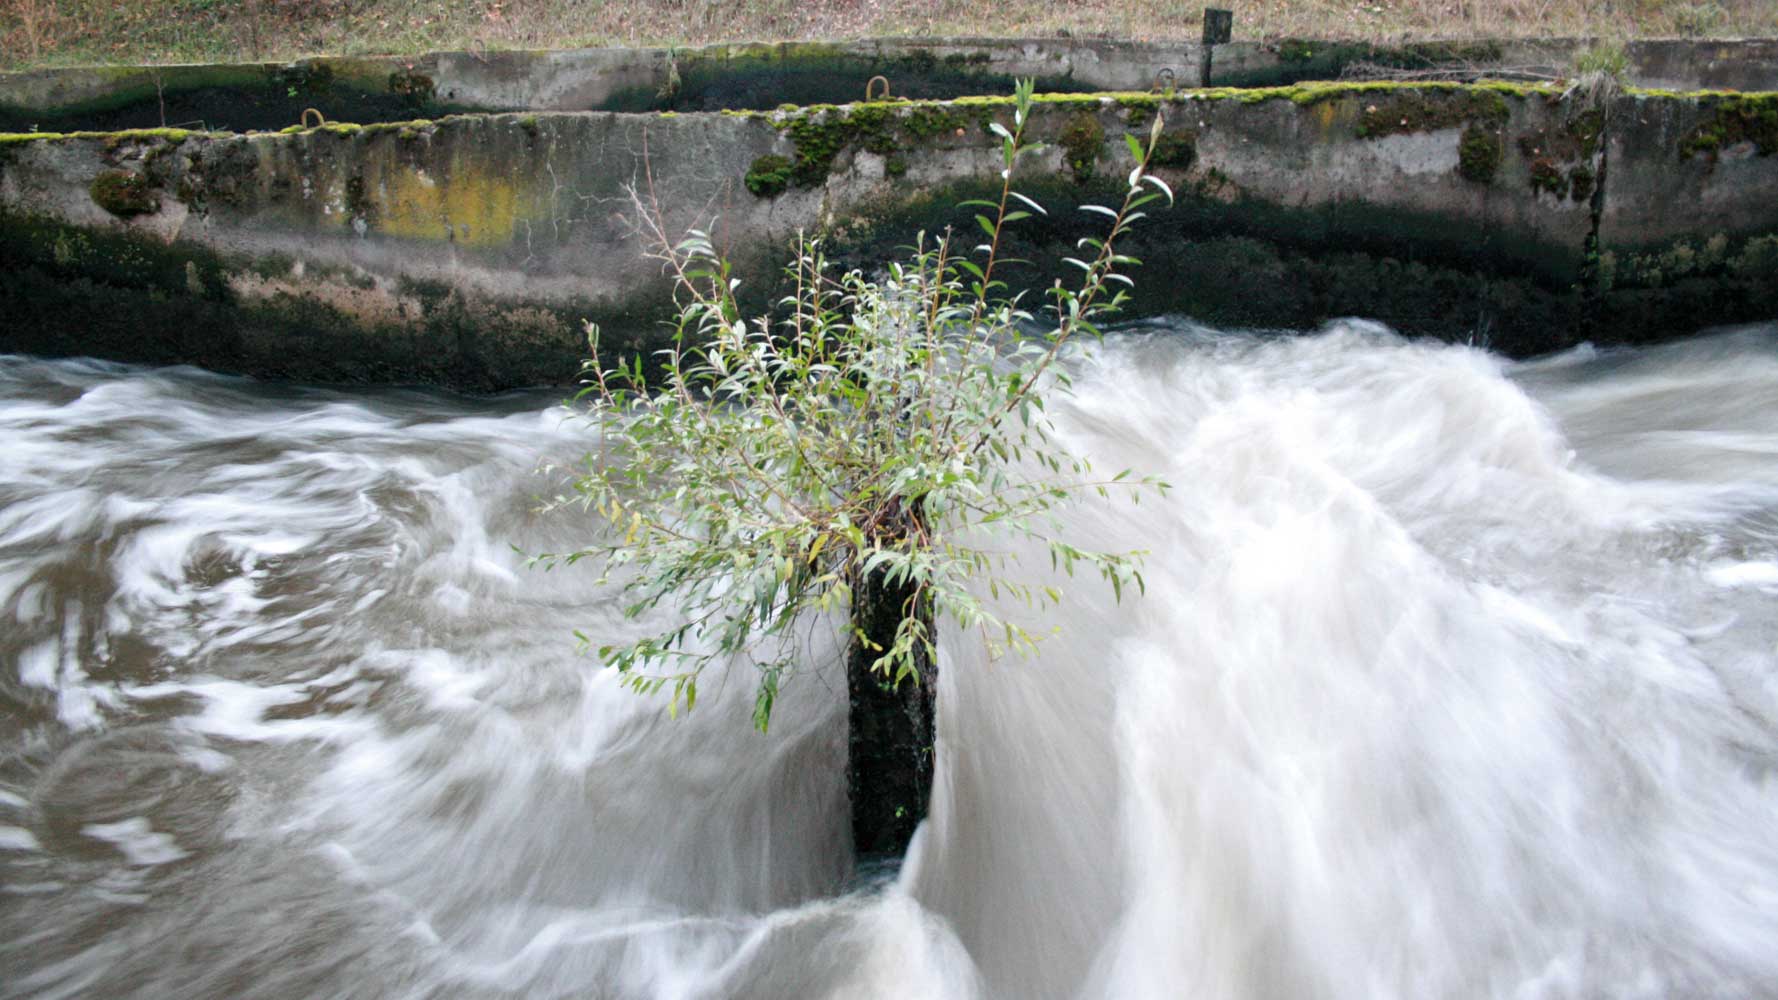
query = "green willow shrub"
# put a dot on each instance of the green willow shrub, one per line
(766, 467)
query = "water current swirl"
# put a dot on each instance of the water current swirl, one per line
(1455, 678)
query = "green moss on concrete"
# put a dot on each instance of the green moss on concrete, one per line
(174, 135)
(1479, 153)
(769, 176)
(1175, 150)
(1580, 182)
(1548, 178)
(1668, 290)
(924, 121)
(820, 133)
(1316, 93)
(408, 129)
(1082, 140)
(1752, 118)
(123, 193)
(17, 140)
(1484, 100)
(1403, 112)
(1751, 258)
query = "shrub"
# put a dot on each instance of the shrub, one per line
(861, 448)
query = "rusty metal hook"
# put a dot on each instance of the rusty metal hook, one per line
(320, 119)
(870, 86)
(1171, 77)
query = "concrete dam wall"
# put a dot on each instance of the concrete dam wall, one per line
(760, 77)
(467, 250)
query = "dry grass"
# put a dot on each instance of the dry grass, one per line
(49, 32)
(31, 26)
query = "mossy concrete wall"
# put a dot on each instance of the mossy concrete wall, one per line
(761, 76)
(467, 250)
(1749, 64)
(1686, 227)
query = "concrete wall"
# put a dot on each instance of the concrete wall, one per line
(761, 77)
(1689, 235)
(466, 251)
(1741, 64)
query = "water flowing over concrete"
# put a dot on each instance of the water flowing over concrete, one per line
(1453, 680)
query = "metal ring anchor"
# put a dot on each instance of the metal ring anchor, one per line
(872, 85)
(320, 119)
(1166, 73)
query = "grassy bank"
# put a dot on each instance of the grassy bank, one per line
(62, 32)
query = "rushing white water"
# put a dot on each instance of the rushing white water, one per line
(1454, 678)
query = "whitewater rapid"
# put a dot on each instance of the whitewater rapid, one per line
(1454, 677)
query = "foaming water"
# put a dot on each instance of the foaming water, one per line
(1454, 678)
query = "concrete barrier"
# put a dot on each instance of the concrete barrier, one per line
(467, 250)
(241, 97)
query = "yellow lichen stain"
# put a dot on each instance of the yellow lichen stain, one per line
(465, 203)
(473, 208)
(1327, 114)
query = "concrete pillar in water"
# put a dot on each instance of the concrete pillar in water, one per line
(890, 744)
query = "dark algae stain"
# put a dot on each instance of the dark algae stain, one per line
(124, 193)
(115, 293)
(239, 97)
(762, 77)
(1327, 59)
